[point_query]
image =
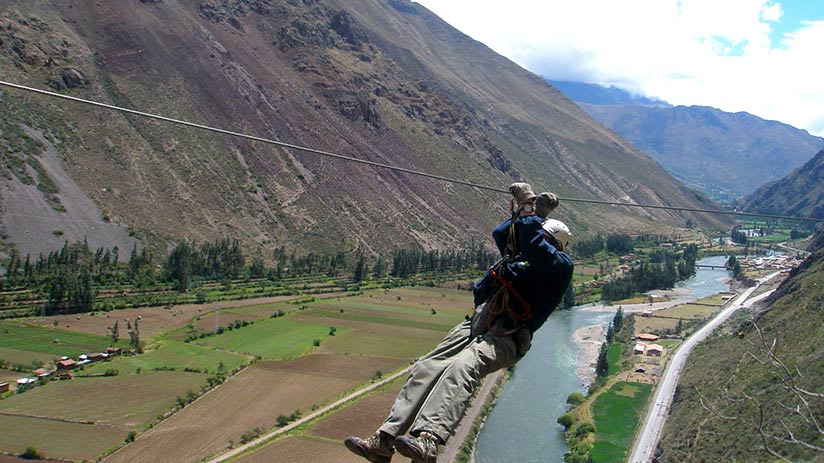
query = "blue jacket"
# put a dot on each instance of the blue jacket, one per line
(540, 273)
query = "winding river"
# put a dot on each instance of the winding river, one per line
(522, 427)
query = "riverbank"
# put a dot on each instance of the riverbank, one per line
(588, 340)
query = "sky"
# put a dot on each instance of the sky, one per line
(763, 57)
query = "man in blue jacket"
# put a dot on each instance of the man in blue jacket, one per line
(513, 300)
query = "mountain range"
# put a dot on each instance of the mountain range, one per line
(725, 155)
(381, 80)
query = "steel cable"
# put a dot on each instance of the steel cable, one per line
(386, 166)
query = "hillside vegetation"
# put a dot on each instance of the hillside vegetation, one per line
(754, 392)
(380, 80)
(800, 193)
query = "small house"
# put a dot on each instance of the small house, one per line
(113, 351)
(647, 337)
(646, 313)
(655, 350)
(4, 387)
(97, 356)
(67, 364)
(639, 348)
(42, 372)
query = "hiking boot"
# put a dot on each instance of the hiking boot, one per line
(377, 449)
(421, 449)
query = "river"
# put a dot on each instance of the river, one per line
(522, 426)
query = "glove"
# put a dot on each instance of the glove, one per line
(522, 192)
(545, 203)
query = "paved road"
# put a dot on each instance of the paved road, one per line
(658, 412)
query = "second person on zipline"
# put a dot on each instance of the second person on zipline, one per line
(513, 300)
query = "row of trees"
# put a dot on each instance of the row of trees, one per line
(69, 277)
(662, 272)
(616, 243)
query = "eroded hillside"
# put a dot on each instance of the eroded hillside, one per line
(385, 81)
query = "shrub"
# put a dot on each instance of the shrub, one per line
(584, 429)
(566, 420)
(576, 398)
(31, 453)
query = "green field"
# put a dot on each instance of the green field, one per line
(616, 414)
(273, 338)
(170, 354)
(22, 336)
(614, 357)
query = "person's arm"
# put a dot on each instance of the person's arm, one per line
(500, 234)
(540, 254)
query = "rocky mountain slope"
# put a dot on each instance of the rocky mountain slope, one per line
(754, 392)
(382, 80)
(725, 155)
(801, 193)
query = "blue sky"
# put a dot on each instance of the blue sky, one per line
(794, 13)
(758, 56)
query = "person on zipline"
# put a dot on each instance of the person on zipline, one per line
(514, 299)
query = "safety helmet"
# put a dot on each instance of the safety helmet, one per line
(558, 230)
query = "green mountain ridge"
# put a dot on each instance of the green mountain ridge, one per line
(801, 193)
(385, 81)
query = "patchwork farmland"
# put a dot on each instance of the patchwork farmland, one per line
(194, 394)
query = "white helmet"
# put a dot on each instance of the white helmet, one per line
(558, 230)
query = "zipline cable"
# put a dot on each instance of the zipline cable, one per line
(381, 165)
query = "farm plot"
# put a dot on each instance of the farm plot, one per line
(253, 398)
(24, 358)
(274, 338)
(301, 449)
(57, 439)
(153, 320)
(8, 376)
(617, 413)
(372, 339)
(359, 418)
(172, 355)
(126, 401)
(28, 337)
(667, 319)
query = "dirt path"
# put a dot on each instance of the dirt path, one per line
(450, 451)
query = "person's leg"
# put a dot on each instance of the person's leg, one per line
(447, 401)
(423, 376)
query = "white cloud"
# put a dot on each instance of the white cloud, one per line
(692, 52)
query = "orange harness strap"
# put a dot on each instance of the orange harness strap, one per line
(507, 286)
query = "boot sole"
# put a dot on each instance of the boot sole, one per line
(409, 452)
(359, 452)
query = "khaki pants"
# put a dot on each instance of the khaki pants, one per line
(440, 384)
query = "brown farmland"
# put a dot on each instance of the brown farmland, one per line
(153, 320)
(297, 449)
(253, 398)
